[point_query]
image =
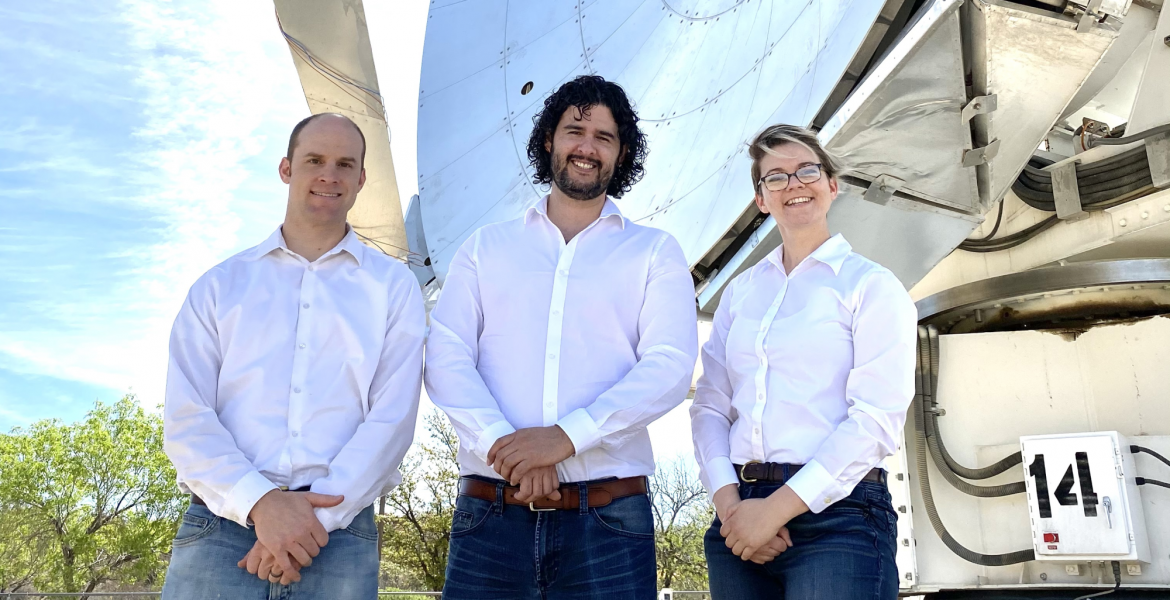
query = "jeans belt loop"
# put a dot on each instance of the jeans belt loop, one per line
(499, 505)
(583, 496)
(784, 471)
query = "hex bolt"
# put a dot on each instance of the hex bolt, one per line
(1044, 577)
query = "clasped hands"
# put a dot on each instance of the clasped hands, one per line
(528, 458)
(755, 529)
(288, 534)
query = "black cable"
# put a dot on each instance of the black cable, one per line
(1136, 449)
(1116, 585)
(1146, 481)
(994, 230)
(950, 468)
(1129, 139)
(1013, 240)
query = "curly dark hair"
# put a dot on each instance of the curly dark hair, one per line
(584, 93)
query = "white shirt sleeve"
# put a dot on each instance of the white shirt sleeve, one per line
(204, 453)
(369, 461)
(711, 412)
(666, 352)
(878, 391)
(453, 382)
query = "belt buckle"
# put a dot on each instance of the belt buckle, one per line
(741, 470)
(532, 507)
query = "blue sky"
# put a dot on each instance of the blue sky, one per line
(138, 148)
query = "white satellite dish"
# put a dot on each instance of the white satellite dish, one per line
(705, 76)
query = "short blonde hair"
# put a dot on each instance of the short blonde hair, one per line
(780, 134)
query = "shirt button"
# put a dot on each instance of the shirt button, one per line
(828, 501)
(552, 356)
(296, 434)
(296, 390)
(759, 396)
(305, 305)
(564, 272)
(556, 312)
(302, 346)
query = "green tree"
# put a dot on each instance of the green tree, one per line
(682, 515)
(416, 527)
(93, 502)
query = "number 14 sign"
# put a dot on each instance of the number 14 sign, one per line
(1082, 499)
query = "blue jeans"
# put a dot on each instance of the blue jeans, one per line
(507, 552)
(845, 551)
(207, 547)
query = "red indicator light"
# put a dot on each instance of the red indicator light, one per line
(1051, 538)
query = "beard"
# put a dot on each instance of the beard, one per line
(580, 190)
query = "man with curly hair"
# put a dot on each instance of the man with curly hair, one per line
(558, 338)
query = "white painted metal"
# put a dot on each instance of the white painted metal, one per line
(1105, 520)
(998, 387)
(1034, 61)
(333, 33)
(1150, 106)
(705, 75)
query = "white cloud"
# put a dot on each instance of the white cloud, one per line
(217, 88)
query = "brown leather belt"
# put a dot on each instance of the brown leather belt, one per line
(599, 494)
(774, 473)
(197, 500)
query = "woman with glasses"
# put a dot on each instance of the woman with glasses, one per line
(806, 381)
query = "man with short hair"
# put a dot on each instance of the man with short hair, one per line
(292, 392)
(559, 336)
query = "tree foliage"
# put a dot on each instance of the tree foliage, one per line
(682, 515)
(416, 528)
(87, 503)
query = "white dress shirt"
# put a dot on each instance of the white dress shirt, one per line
(815, 367)
(290, 373)
(597, 335)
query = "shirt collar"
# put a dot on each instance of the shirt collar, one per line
(350, 243)
(609, 209)
(832, 252)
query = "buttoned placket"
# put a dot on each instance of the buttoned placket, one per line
(556, 320)
(761, 379)
(299, 392)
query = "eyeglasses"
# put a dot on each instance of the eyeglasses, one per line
(779, 181)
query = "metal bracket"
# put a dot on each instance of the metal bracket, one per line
(1158, 155)
(979, 105)
(1090, 17)
(980, 156)
(880, 190)
(1067, 193)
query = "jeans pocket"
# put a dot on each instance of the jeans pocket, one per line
(364, 526)
(197, 523)
(470, 514)
(629, 516)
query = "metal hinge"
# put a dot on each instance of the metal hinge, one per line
(980, 156)
(979, 105)
(882, 189)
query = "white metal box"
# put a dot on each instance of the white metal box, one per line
(1082, 498)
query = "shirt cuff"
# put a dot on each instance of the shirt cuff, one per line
(720, 473)
(813, 484)
(581, 429)
(488, 438)
(333, 518)
(244, 495)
